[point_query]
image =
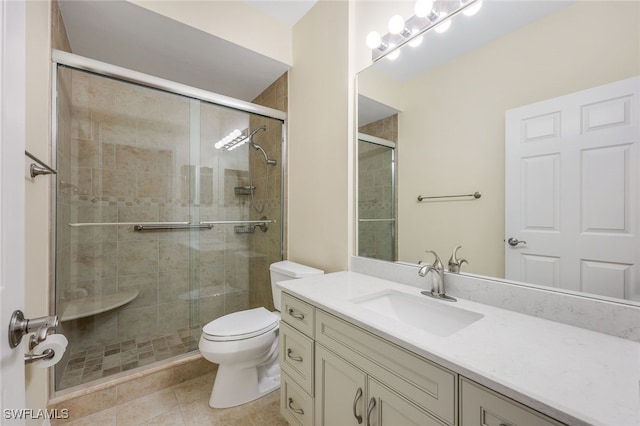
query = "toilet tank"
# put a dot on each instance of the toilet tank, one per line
(287, 270)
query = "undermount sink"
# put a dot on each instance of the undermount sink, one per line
(418, 311)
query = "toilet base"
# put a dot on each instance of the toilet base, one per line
(234, 387)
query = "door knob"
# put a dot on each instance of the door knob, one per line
(514, 242)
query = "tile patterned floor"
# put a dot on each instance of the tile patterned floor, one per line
(187, 404)
(103, 361)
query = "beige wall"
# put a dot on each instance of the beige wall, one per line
(321, 139)
(234, 21)
(382, 88)
(37, 208)
(456, 145)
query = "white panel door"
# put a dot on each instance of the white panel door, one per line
(572, 191)
(12, 142)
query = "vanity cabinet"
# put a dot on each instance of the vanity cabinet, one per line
(297, 352)
(398, 387)
(347, 396)
(335, 373)
(482, 406)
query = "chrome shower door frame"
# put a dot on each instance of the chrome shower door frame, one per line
(392, 146)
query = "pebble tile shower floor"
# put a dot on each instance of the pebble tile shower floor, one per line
(102, 361)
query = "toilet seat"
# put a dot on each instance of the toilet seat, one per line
(240, 325)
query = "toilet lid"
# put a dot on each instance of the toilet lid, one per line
(241, 325)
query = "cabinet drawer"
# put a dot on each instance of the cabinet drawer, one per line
(296, 356)
(422, 382)
(480, 406)
(296, 406)
(297, 313)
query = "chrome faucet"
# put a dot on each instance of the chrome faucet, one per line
(454, 263)
(437, 288)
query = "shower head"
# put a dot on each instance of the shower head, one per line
(266, 158)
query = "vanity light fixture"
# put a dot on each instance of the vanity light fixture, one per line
(473, 9)
(416, 39)
(396, 25)
(442, 26)
(436, 14)
(423, 8)
(374, 41)
(393, 55)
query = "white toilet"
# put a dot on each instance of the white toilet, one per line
(245, 345)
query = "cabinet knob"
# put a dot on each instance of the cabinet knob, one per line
(355, 403)
(295, 410)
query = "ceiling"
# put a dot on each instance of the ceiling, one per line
(286, 11)
(127, 35)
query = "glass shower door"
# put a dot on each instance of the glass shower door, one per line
(119, 279)
(245, 208)
(158, 232)
(376, 199)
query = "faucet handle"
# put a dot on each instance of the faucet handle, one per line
(454, 262)
(437, 264)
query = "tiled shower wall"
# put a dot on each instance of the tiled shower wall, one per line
(124, 148)
(266, 246)
(375, 191)
(386, 128)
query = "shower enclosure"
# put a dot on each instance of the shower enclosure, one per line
(157, 231)
(376, 198)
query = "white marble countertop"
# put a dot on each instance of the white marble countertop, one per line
(574, 375)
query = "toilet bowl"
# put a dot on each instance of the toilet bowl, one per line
(244, 344)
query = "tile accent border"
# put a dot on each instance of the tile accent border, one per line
(615, 319)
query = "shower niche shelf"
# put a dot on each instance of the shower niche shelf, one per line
(92, 305)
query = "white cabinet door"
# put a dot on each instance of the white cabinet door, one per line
(340, 391)
(387, 408)
(571, 191)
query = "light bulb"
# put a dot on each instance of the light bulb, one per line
(423, 8)
(442, 26)
(473, 9)
(416, 41)
(396, 24)
(393, 55)
(373, 40)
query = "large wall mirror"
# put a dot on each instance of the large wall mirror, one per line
(533, 105)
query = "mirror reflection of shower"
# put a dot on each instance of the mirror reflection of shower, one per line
(238, 138)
